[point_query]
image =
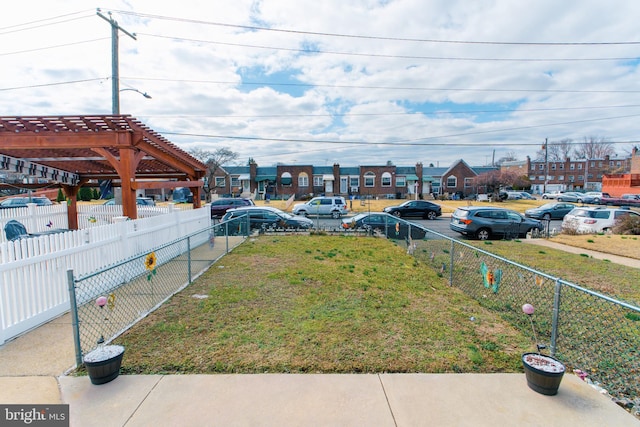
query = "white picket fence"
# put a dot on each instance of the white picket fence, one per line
(36, 219)
(33, 271)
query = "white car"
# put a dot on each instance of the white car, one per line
(594, 220)
(335, 206)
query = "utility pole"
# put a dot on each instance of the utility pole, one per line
(546, 164)
(115, 74)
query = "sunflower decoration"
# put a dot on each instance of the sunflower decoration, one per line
(150, 264)
(92, 219)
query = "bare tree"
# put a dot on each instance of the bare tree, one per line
(594, 148)
(556, 151)
(214, 160)
(511, 156)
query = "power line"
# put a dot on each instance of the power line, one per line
(375, 55)
(29, 25)
(411, 142)
(52, 47)
(405, 113)
(411, 88)
(53, 84)
(357, 36)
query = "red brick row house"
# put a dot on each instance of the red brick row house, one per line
(377, 181)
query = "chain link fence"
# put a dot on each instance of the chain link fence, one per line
(584, 329)
(137, 286)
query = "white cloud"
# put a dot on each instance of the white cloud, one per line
(456, 107)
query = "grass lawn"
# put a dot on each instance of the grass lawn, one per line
(321, 304)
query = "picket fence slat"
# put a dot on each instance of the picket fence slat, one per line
(33, 271)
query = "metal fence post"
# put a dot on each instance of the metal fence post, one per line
(189, 258)
(451, 264)
(74, 316)
(556, 315)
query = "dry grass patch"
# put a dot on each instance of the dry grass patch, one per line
(628, 246)
(321, 304)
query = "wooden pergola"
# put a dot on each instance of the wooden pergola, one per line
(76, 150)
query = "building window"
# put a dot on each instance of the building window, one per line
(599, 176)
(532, 177)
(386, 179)
(541, 178)
(561, 178)
(401, 181)
(468, 182)
(561, 166)
(572, 166)
(599, 164)
(452, 182)
(553, 167)
(541, 167)
(317, 181)
(303, 179)
(285, 178)
(572, 178)
(590, 176)
(592, 164)
(220, 181)
(580, 177)
(369, 179)
(354, 181)
(618, 164)
(235, 181)
(580, 166)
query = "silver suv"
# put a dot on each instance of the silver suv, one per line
(325, 205)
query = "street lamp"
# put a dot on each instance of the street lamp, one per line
(145, 94)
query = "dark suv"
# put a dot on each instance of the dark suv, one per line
(483, 222)
(220, 206)
(264, 217)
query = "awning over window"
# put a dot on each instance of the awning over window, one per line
(244, 177)
(327, 177)
(412, 177)
(428, 179)
(260, 178)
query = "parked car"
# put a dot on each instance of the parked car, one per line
(264, 217)
(569, 196)
(550, 211)
(594, 219)
(625, 200)
(21, 202)
(552, 194)
(389, 225)
(514, 195)
(220, 206)
(527, 196)
(415, 208)
(592, 197)
(483, 222)
(323, 205)
(140, 201)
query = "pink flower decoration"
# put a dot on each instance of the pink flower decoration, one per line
(528, 309)
(101, 301)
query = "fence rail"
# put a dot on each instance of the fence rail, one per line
(138, 285)
(584, 329)
(33, 271)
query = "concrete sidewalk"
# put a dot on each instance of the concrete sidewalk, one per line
(319, 400)
(32, 368)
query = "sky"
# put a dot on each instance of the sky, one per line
(360, 82)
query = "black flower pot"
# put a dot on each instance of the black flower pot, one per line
(543, 373)
(103, 364)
